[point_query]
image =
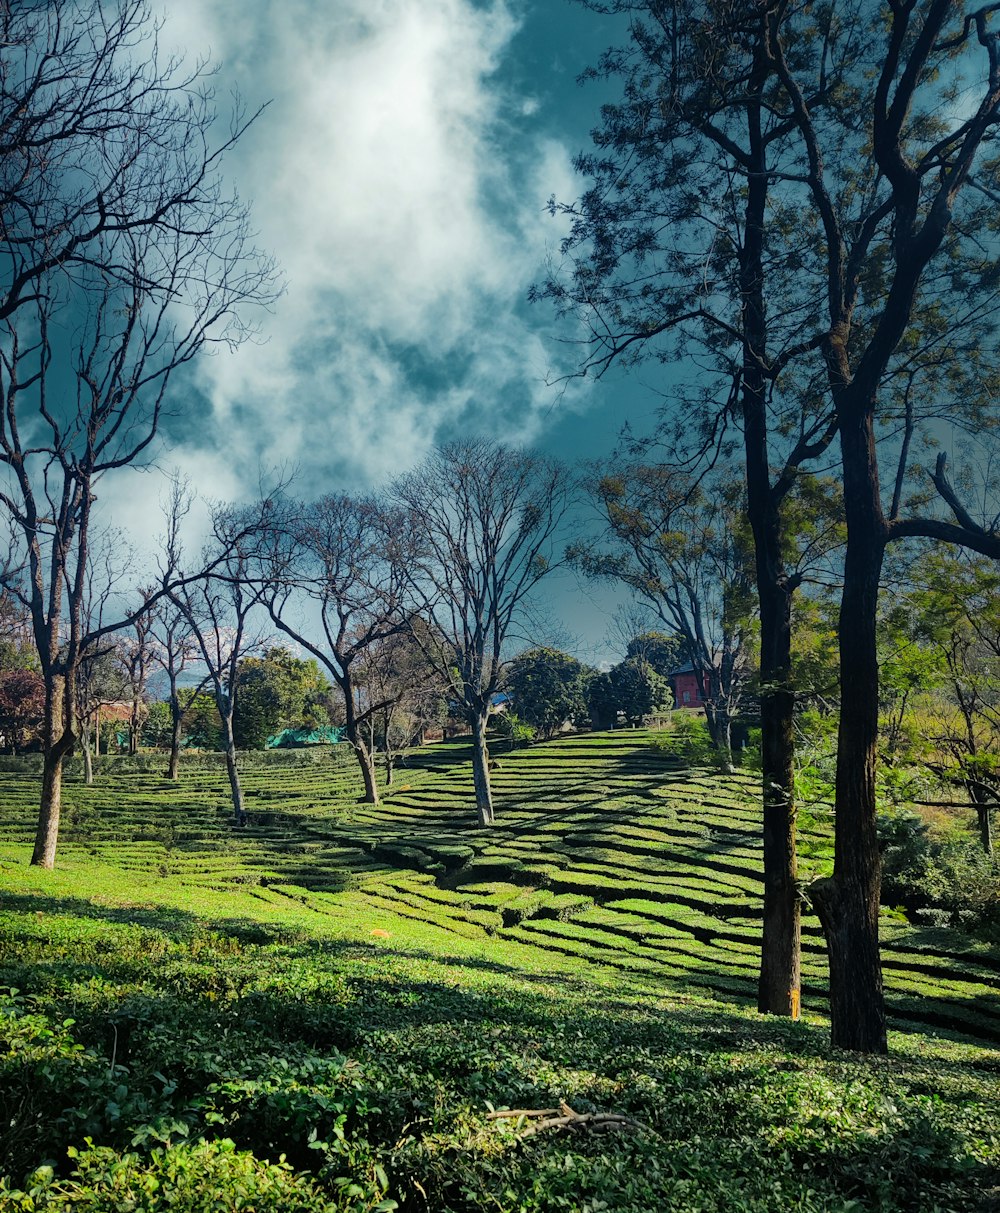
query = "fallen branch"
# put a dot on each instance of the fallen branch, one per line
(564, 1117)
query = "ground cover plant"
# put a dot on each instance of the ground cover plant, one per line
(325, 1009)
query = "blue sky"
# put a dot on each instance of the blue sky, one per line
(400, 175)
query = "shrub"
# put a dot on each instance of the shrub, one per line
(688, 739)
(200, 1177)
(941, 869)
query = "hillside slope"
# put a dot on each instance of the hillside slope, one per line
(608, 860)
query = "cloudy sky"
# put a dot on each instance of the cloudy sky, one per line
(399, 175)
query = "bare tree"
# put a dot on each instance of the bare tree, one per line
(217, 604)
(121, 258)
(174, 649)
(474, 532)
(406, 692)
(135, 652)
(328, 584)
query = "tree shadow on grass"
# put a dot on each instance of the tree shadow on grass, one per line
(428, 1053)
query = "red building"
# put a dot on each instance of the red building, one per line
(690, 688)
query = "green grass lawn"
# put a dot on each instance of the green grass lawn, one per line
(321, 1010)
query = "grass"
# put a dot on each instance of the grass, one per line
(320, 1010)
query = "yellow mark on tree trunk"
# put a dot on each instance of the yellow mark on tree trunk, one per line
(796, 997)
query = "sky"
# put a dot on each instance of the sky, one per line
(399, 175)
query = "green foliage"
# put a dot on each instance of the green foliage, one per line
(355, 987)
(513, 729)
(938, 869)
(548, 689)
(664, 652)
(278, 691)
(632, 689)
(157, 727)
(202, 726)
(689, 739)
(195, 1177)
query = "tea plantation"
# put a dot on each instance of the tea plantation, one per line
(343, 1006)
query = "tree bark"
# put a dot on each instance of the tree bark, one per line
(88, 762)
(174, 762)
(779, 986)
(985, 828)
(353, 732)
(719, 720)
(58, 743)
(232, 770)
(481, 771)
(367, 771)
(848, 902)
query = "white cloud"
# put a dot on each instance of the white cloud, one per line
(380, 179)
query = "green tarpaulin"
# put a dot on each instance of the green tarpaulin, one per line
(290, 738)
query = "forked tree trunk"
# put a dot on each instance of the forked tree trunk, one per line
(353, 733)
(848, 902)
(481, 772)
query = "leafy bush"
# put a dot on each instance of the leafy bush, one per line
(689, 739)
(943, 870)
(200, 1177)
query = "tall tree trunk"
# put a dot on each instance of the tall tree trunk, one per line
(719, 721)
(176, 716)
(779, 987)
(481, 771)
(58, 743)
(353, 733)
(367, 768)
(232, 770)
(88, 762)
(848, 902)
(985, 827)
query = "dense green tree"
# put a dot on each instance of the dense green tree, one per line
(202, 722)
(638, 689)
(632, 689)
(278, 691)
(662, 650)
(157, 727)
(548, 689)
(602, 700)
